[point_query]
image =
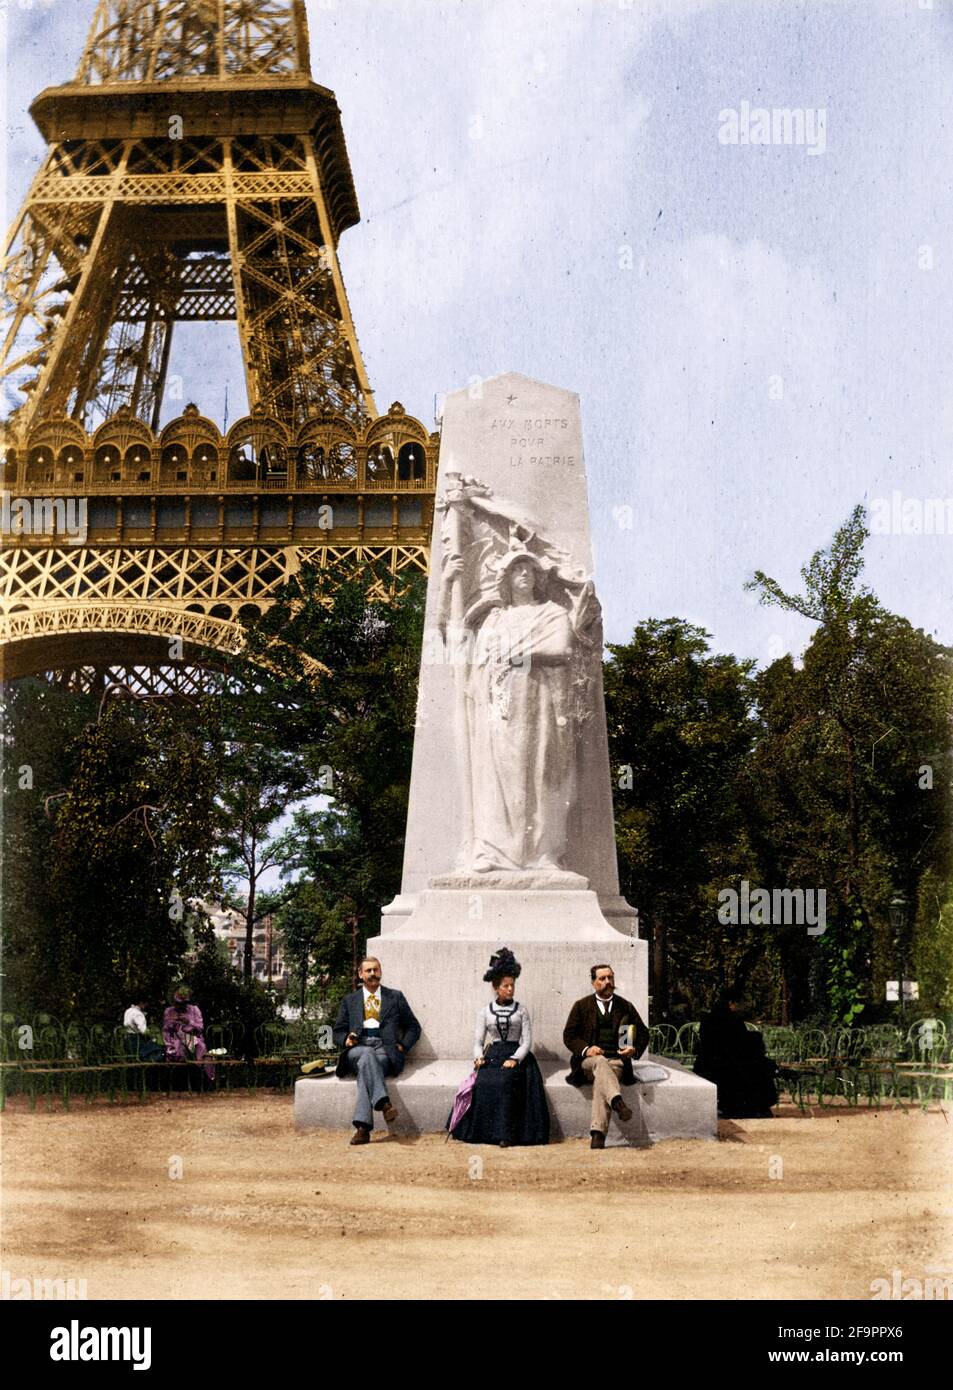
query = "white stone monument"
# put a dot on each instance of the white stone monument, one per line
(510, 837)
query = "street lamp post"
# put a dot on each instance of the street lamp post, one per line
(898, 924)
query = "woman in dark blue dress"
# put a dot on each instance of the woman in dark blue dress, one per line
(508, 1105)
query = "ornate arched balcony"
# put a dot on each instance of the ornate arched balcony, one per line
(326, 453)
(259, 454)
(39, 466)
(191, 449)
(397, 451)
(70, 467)
(123, 449)
(329, 453)
(64, 443)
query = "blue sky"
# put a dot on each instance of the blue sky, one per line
(760, 335)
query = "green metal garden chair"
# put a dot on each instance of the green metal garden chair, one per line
(663, 1040)
(925, 1038)
(687, 1044)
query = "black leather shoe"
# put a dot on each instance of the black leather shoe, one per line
(621, 1109)
(598, 1140)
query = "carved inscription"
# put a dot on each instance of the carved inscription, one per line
(532, 441)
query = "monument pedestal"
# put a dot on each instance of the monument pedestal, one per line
(438, 951)
(681, 1107)
(435, 947)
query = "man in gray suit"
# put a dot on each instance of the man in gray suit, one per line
(375, 1029)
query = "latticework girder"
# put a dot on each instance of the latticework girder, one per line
(177, 601)
(169, 681)
(158, 40)
(195, 172)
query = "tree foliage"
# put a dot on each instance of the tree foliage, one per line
(130, 839)
(331, 674)
(258, 786)
(853, 764)
(833, 774)
(41, 725)
(680, 730)
(317, 935)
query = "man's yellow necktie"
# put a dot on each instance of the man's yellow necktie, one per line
(372, 1007)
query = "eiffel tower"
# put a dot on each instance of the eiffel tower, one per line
(194, 173)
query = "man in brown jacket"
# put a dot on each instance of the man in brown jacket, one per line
(592, 1038)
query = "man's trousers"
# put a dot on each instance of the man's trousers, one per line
(604, 1072)
(372, 1064)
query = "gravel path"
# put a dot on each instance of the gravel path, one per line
(793, 1207)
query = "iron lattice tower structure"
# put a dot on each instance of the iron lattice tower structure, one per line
(194, 173)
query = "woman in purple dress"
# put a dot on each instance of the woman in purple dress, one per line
(182, 1030)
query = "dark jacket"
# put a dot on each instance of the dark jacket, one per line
(582, 1031)
(398, 1025)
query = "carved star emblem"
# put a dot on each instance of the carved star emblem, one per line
(510, 400)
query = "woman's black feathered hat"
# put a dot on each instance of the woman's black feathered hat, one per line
(503, 962)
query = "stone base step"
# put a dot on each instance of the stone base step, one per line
(683, 1106)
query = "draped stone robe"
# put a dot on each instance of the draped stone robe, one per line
(522, 737)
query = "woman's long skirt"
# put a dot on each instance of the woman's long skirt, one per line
(509, 1103)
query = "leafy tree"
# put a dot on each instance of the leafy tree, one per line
(679, 733)
(330, 673)
(132, 840)
(258, 785)
(841, 745)
(833, 598)
(41, 725)
(317, 937)
(933, 943)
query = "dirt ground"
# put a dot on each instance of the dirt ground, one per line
(812, 1207)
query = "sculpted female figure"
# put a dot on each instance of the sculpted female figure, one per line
(522, 739)
(531, 624)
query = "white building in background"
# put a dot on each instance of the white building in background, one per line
(268, 963)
